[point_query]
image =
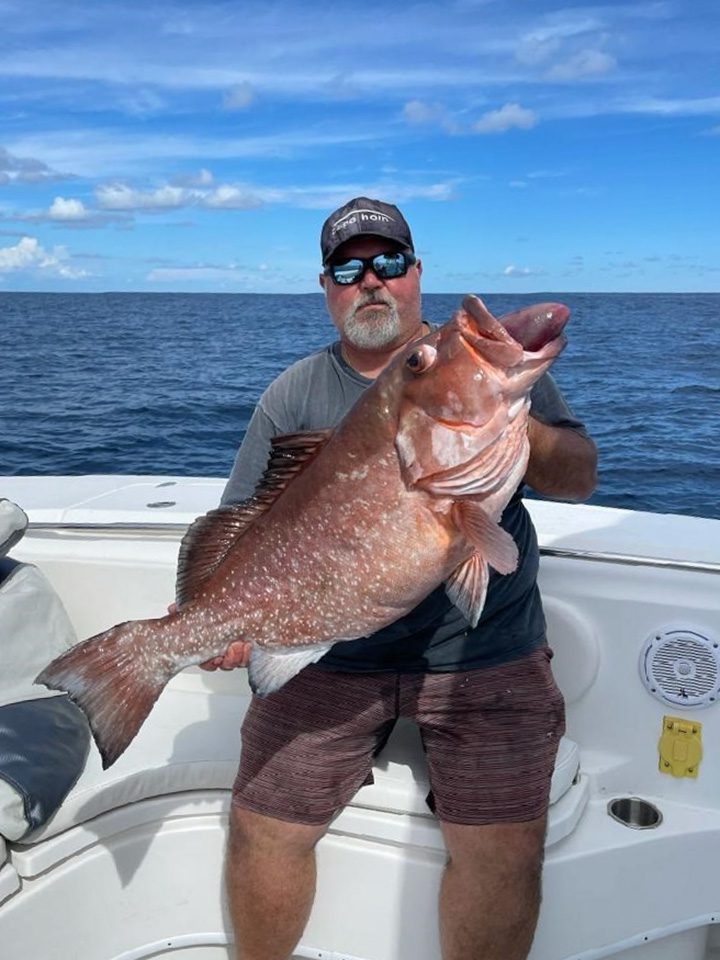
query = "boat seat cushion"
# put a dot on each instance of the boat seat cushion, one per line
(13, 524)
(43, 746)
(44, 738)
(191, 741)
(34, 629)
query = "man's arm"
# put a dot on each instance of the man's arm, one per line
(252, 457)
(563, 462)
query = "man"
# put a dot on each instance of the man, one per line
(451, 679)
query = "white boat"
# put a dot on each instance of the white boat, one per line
(131, 864)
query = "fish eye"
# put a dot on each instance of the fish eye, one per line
(421, 359)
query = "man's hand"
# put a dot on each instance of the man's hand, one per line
(236, 655)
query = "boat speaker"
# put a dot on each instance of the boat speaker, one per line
(681, 667)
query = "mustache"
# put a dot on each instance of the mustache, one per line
(371, 299)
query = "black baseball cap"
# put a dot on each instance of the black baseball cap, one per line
(360, 217)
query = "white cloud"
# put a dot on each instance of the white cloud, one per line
(508, 116)
(678, 107)
(24, 169)
(239, 97)
(227, 197)
(513, 271)
(542, 43)
(420, 112)
(119, 196)
(203, 178)
(70, 209)
(586, 63)
(28, 254)
(518, 184)
(536, 48)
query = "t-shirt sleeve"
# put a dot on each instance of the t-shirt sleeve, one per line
(278, 411)
(549, 406)
(251, 458)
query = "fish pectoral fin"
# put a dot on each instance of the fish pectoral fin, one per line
(467, 586)
(270, 670)
(488, 537)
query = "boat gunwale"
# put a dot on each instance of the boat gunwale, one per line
(166, 530)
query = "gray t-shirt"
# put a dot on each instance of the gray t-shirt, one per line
(316, 393)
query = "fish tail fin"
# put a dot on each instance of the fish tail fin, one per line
(110, 679)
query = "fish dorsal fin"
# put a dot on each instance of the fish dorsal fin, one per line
(209, 539)
(290, 453)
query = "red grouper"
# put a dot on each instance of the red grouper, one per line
(348, 530)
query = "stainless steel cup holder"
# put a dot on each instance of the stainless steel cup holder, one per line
(635, 812)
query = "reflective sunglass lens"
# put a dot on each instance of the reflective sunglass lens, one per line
(387, 266)
(348, 272)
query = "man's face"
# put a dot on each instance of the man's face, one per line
(374, 314)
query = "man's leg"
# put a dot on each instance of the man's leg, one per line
(491, 737)
(270, 875)
(305, 751)
(490, 894)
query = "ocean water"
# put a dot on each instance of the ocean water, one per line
(166, 383)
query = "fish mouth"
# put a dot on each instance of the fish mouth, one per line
(537, 326)
(484, 336)
(534, 329)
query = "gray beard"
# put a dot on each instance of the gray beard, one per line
(372, 332)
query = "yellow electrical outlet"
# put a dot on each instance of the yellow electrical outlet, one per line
(680, 747)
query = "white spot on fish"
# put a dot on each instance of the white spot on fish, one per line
(516, 407)
(405, 446)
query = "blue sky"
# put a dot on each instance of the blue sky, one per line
(533, 146)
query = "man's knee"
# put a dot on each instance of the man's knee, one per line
(255, 833)
(511, 849)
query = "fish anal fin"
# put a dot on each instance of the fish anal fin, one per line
(113, 686)
(269, 670)
(467, 586)
(209, 539)
(495, 545)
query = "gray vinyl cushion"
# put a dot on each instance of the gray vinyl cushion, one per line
(44, 738)
(13, 523)
(43, 747)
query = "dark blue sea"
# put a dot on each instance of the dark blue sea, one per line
(166, 383)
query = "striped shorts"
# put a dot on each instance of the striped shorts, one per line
(490, 737)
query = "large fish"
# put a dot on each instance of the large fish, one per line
(349, 528)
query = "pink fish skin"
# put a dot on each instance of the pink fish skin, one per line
(349, 529)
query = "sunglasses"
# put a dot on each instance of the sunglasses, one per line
(386, 266)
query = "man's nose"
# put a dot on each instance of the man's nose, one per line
(370, 280)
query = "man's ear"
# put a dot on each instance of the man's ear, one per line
(323, 280)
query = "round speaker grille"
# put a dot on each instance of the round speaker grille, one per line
(681, 667)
